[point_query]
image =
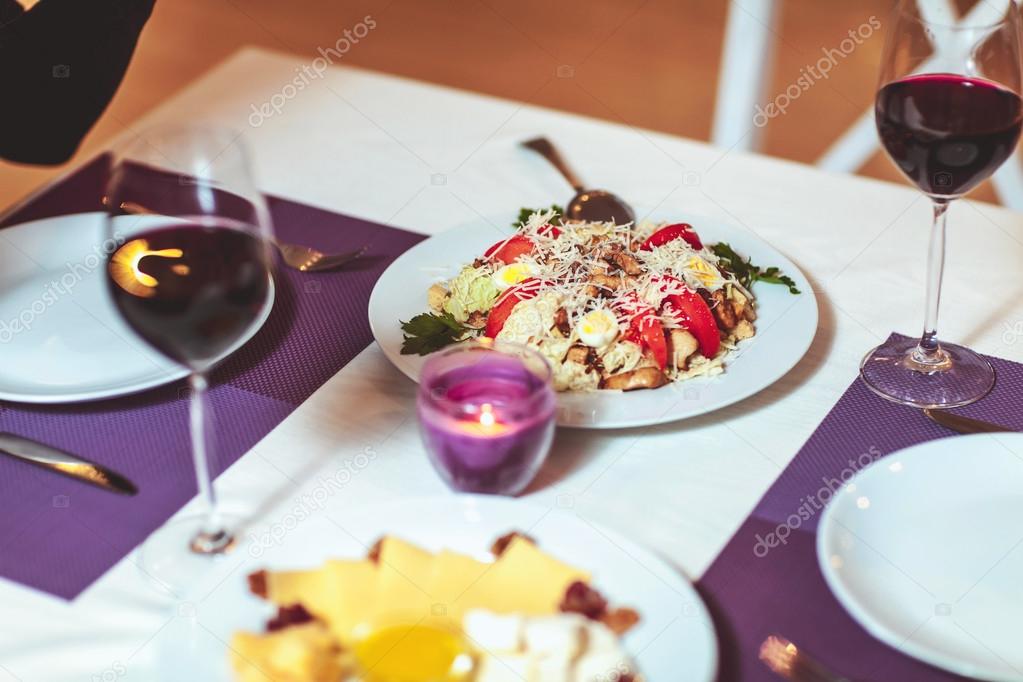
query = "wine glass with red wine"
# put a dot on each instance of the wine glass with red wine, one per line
(192, 276)
(948, 113)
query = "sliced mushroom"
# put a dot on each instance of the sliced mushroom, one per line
(627, 263)
(561, 322)
(681, 346)
(723, 311)
(577, 354)
(743, 330)
(605, 284)
(743, 307)
(644, 377)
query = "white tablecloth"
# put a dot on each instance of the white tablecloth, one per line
(425, 158)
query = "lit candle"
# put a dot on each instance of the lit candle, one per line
(486, 425)
(486, 413)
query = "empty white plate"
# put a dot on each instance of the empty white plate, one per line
(61, 338)
(924, 548)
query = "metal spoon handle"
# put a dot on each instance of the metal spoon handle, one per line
(543, 147)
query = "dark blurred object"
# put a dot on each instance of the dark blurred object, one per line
(60, 64)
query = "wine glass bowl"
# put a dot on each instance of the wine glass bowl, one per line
(191, 275)
(949, 114)
(191, 288)
(947, 132)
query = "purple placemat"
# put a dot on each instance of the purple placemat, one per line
(58, 535)
(762, 584)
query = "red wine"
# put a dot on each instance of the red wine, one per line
(948, 133)
(190, 290)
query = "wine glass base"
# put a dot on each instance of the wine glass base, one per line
(960, 378)
(179, 554)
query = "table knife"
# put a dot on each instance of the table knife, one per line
(62, 462)
(962, 424)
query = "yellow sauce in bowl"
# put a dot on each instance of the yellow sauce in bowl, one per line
(413, 653)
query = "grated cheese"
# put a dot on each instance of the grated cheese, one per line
(564, 267)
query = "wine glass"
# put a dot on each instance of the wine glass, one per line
(948, 113)
(191, 275)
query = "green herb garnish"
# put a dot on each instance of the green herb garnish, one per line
(526, 212)
(747, 273)
(430, 332)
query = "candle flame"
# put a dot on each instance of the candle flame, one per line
(487, 415)
(125, 267)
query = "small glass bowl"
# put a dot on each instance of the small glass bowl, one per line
(486, 415)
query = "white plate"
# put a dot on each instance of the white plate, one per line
(786, 326)
(924, 548)
(61, 338)
(675, 639)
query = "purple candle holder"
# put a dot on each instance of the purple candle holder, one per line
(486, 413)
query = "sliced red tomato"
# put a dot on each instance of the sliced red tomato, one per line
(549, 230)
(651, 331)
(670, 233)
(506, 302)
(645, 328)
(509, 250)
(692, 313)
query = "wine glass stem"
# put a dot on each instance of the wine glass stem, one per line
(212, 537)
(928, 353)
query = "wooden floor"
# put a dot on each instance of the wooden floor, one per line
(647, 63)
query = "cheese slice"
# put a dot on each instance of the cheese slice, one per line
(523, 580)
(348, 603)
(453, 575)
(341, 593)
(300, 653)
(287, 588)
(403, 576)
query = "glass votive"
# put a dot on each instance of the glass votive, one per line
(486, 414)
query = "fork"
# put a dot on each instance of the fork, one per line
(789, 662)
(304, 258)
(308, 259)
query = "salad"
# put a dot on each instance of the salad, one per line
(615, 307)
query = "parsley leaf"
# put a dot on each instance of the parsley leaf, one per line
(526, 212)
(430, 332)
(747, 273)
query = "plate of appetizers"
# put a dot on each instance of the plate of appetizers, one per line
(453, 589)
(642, 323)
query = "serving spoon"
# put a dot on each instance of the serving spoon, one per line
(588, 205)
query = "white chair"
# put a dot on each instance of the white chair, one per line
(746, 65)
